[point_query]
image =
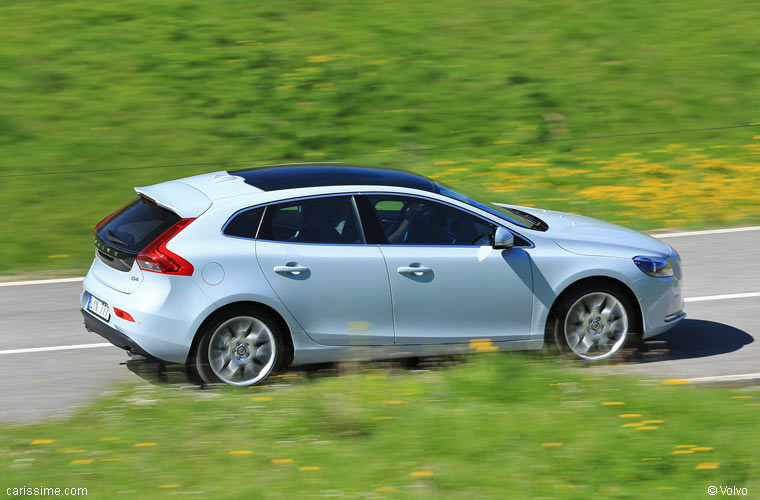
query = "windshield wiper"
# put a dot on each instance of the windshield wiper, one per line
(114, 238)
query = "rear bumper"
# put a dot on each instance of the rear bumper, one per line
(167, 311)
(115, 337)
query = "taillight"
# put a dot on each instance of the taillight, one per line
(156, 258)
(107, 218)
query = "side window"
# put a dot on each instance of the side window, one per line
(244, 224)
(407, 220)
(331, 220)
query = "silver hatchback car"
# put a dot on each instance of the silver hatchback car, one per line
(241, 273)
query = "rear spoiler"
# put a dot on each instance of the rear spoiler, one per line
(182, 199)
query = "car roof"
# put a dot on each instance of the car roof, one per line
(294, 176)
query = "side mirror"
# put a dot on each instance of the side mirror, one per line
(502, 238)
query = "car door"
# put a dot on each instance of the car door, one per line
(313, 254)
(448, 284)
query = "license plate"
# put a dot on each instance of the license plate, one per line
(98, 308)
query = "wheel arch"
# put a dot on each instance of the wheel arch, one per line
(591, 281)
(276, 316)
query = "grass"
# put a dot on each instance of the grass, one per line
(89, 85)
(493, 427)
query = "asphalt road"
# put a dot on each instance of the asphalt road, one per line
(717, 339)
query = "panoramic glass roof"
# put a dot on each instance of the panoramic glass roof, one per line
(302, 176)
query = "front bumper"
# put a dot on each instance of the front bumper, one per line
(92, 324)
(661, 302)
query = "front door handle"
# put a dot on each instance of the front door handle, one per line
(290, 269)
(417, 271)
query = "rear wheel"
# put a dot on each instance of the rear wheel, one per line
(594, 322)
(241, 347)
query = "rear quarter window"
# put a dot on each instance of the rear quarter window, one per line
(244, 224)
(135, 226)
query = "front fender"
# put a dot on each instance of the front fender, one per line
(555, 269)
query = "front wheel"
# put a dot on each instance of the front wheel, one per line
(240, 348)
(594, 323)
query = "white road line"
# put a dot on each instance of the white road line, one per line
(41, 282)
(106, 344)
(725, 378)
(56, 348)
(722, 297)
(709, 231)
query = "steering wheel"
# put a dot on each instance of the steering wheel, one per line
(401, 217)
(480, 237)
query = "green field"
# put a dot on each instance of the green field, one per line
(500, 426)
(91, 85)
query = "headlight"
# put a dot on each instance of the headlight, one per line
(674, 253)
(654, 266)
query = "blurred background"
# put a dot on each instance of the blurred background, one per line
(642, 113)
(588, 107)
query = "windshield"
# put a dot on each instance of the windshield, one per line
(514, 216)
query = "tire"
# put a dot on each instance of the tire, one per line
(241, 346)
(593, 322)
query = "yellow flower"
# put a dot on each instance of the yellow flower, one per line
(320, 59)
(421, 473)
(708, 465)
(483, 345)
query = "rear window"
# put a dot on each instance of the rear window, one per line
(135, 226)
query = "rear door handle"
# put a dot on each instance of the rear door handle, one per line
(290, 269)
(417, 271)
